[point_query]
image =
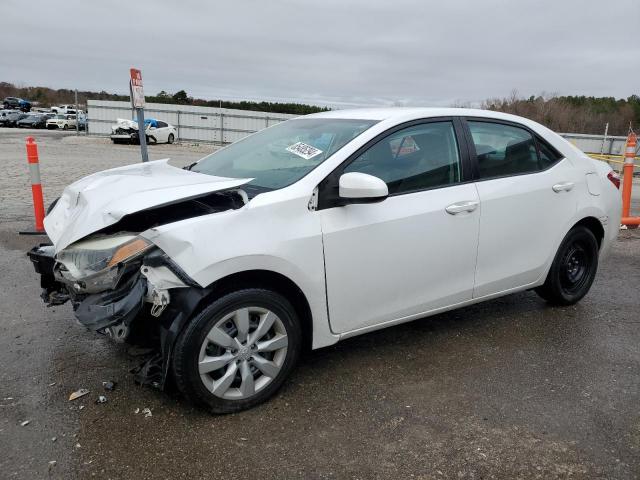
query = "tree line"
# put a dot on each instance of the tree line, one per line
(573, 114)
(47, 97)
(570, 114)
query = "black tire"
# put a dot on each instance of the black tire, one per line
(65, 127)
(573, 269)
(188, 345)
(170, 138)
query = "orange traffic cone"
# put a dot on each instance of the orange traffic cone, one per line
(627, 184)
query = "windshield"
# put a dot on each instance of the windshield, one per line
(61, 117)
(281, 155)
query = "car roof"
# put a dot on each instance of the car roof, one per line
(408, 113)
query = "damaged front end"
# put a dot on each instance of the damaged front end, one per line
(100, 275)
(122, 285)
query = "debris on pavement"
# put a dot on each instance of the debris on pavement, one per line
(147, 412)
(53, 439)
(78, 393)
(52, 464)
(109, 386)
(80, 407)
(149, 372)
(25, 423)
(52, 384)
(136, 411)
(137, 351)
(101, 399)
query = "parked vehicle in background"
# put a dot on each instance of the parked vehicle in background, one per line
(157, 131)
(5, 112)
(17, 103)
(82, 120)
(62, 122)
(35, 120)
(11, 118)
(322, 228)
(70, 109)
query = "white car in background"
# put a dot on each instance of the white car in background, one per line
(62, 121)
(321, 228)
(156, 131)
(70, 109)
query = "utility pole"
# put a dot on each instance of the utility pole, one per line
(137, 102)
(604, 139)
(77, 114)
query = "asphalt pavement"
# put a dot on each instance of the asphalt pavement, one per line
(510, 388)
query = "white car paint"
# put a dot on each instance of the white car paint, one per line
(360, 185)
(99, 200)
(62, 122)
(376, 274)
(364, 267)
(161, 134)
(515, 210)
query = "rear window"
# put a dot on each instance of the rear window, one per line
(504, 150)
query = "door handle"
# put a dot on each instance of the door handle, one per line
(460, 207)
(562, 187)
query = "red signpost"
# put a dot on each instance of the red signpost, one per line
(137, 103)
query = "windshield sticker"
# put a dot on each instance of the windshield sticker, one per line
(303, 150)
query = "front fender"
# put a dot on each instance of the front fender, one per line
(283, 237)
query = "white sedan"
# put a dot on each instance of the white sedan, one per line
(156, 131)
(321, 228)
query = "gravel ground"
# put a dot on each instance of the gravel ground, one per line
(507, 389)
(66, 157)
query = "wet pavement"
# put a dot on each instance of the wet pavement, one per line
(510, 388)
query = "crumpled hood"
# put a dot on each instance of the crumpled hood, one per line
(125, 124)
(103, 198)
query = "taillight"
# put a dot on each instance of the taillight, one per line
(614, 178)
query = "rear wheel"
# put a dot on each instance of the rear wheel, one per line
(238, 351)
(573, 269)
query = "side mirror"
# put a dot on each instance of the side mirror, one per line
(355, 187)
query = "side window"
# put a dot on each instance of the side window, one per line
(548, 154)
(161, 124)
(415, 158)
(503, 149)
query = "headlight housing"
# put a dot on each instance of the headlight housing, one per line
(92, 265)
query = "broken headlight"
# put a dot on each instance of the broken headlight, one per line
(92, 265)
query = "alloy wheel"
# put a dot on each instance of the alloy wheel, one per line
(243, 353)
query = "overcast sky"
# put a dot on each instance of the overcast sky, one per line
(336, 52)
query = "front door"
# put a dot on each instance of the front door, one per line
(413, 252)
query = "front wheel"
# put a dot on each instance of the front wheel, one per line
(171, 138)
(573, 269)
(238, 351)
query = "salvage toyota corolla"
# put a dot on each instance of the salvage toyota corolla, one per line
(321, 228)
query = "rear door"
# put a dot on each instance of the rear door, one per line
(416, 250)
(161, 132)
(527, 198)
